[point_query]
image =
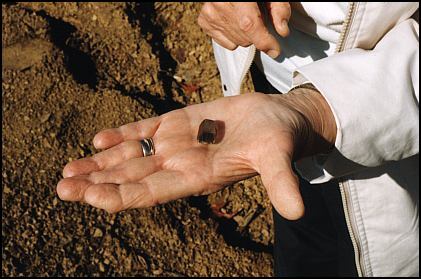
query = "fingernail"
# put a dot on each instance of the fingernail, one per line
(273, 53)
(97, 142)
(284, 23)
(67, 173)
(284, 27)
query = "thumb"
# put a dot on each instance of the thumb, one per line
(279, 14)
(252, 25)
(282, 186)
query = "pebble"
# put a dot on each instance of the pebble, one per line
(45, 143)
(98, 233)
(157, 272)
(6, 190)
(45, 117)
(101, 267)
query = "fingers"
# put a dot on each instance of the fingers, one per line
(251, 23)
(237, 24)
(282, 186)
(158, 188)
(223, 41)
(207, 22)
(101, 188)
(106, 196)
(133, 131)
(80, 167)
(73, 188)
(128, 171)
(105, 159)
(279, 13)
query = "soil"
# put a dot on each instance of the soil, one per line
(72, 69)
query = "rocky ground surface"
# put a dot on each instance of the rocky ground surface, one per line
(72, 69)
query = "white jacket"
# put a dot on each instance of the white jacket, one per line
(372, 87)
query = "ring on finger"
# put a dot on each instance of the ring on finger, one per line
(148, 147)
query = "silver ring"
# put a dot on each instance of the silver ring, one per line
(148, 147)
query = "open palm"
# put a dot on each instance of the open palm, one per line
(256, 136)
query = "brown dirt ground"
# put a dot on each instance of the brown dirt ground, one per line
(72, 69)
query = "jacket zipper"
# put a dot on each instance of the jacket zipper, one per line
(340, 46)
(343, 185)
(345, 29)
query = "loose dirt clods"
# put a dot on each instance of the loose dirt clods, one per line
(72, 69)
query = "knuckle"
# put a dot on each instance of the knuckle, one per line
(201, 20)
(285, 5)
(229, 46)
(161, 146)
(264, 42)
(168, 163)
(95, 177)
(244, 43)
(220, 5)
(166, 117)
(124, 146)
(261, 45)
(124, 149)
(287, 12)
(207, 11)
(246, 24)
(283, 9)
(152, 197)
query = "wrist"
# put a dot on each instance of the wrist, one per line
(315, 130)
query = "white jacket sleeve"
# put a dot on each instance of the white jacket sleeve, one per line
(374, 96)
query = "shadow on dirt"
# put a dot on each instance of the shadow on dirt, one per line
(79, 64)
(228, 228)
(143, 16)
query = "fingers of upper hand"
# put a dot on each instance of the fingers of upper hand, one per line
(280, 12)
(253, 26)
(218, 20)
(242, 24)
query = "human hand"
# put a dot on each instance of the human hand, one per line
(259, 137)
(233, 24)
